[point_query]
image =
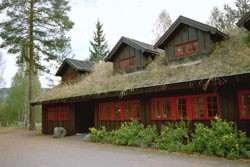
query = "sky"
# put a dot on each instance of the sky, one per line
(131, 18)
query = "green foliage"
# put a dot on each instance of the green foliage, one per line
(99, 136)
(227, 18)
(173, 136)
(17, 103)
(99, 45)
(148, 136)
(40, 25)
(128, 134)
(222, 139)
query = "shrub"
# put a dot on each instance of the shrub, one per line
(148, 136)
(222, 139)
(99, 136)
(128, 134)
(173, 136)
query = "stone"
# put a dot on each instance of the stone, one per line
(87, 138)
(59, 132)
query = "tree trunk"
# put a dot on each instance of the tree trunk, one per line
(31, 67)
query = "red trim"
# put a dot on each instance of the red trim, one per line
(127, 63)
(186, 48)
(209, 103)
(68, 77)
(58, 113)
(244, 104)
(119, 110)
(185, 107)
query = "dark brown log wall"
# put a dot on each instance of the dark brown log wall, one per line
(49, 125)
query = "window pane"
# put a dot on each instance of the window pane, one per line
(117, 110)
(181, 103)
(212, 106)
(199, 107)
(157, 109)
(136, 109)
(166, 109)
(245, 104)
(108, 110)
(128, 114)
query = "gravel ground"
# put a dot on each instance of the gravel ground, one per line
(24, 148)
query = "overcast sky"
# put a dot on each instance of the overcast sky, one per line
(130, 18)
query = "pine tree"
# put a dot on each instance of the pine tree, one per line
(99, 44)
(38, 26)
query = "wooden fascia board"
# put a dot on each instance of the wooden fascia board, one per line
(189, 22)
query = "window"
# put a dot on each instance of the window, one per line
(205, 106)
(58, 113)
(186, 48)
(122, 110)
(181, 107)
(244, 104)
(161, 108)
(127, 63)
(68, 78)
(199, 107)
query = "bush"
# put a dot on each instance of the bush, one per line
(99, 136)
(222, 139)
(173, 136)
(128, 134)
(148, 136)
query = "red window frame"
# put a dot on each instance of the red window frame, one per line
(244, 104)
(68, 77)
(207, 106)
(183, 107)
(119, 110)
(127, 63)
(186, 107)
(58, 113)
(158, 109)
(187, 48)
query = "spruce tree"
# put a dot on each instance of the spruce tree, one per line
(39, 26)
(99, 44)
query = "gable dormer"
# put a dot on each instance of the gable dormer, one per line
(72, 70)
(130, 55)
(245, 21)
(187, 38)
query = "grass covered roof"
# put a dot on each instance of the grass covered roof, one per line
(230, 57)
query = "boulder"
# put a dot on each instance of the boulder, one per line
(59, 132)
(87, 138)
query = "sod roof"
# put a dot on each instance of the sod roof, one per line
(230, 57)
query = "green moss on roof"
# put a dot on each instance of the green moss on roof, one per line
(230, 57)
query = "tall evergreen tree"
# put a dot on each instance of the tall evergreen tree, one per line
(228, 17)
(39, 26)
(99, 44)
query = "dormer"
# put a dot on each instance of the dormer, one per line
(72, 70)
(245, 21)
(130, 55)
(188, 39)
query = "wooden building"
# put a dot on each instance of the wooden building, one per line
(197, 77)
(245, 21)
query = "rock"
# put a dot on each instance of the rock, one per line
(59, 132)
(87, 138)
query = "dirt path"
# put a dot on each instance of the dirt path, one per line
(32, 149)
